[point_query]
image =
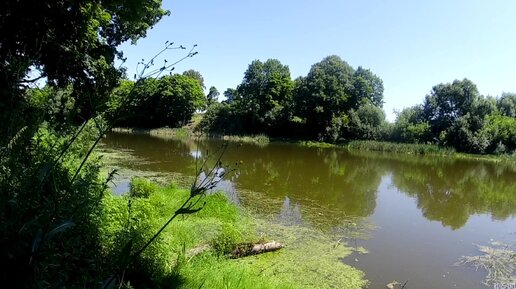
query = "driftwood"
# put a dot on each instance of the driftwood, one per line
(248, 249)
(392, 284)
(241, 249)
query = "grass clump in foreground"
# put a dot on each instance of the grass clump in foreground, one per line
(310, 259)
(416, 149)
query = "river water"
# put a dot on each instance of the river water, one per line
(422, 213)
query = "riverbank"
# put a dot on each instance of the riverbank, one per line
(189, 131)
(310, 259)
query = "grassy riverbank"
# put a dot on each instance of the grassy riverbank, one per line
(310, 260)
(425, 149)
(356, 145)
(404, 148)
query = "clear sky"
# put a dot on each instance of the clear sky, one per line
(411, 45)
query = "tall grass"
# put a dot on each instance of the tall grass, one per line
(260, 139)
(313, 144)
(416, 149)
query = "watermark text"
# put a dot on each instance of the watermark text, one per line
(504, 285)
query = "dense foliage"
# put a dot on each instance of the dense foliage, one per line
(334, 101)
(50, 188)
(168, 101)
(456, 115)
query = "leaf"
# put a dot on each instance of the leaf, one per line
(59, 229)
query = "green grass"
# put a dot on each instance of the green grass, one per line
(260, 139)
(311, 259)
(313, 144)
(415, 149)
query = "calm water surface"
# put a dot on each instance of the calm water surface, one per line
(428, 212)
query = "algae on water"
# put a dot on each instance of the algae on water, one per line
(498, 260)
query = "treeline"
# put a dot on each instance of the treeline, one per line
(456, 115)
(333, 102)
(336, 103)
(156, 102)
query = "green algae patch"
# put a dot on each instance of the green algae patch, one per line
(311, 258)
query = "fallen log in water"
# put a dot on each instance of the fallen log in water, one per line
(248, 249)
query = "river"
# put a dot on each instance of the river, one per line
(424, 213)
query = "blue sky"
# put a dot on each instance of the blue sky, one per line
(410, 45)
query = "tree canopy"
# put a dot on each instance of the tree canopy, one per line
(317, 106)
(265, 92)
(167, 101)
(194, 74)
(69, 42)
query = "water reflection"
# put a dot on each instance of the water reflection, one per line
(324, 186)
(290, 214)
(450, 191)
(426, 211)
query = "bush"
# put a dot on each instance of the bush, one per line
(49, 213)
(141, 188)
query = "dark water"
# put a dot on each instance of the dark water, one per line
(428, 212)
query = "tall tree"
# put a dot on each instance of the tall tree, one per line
(69, 42)
(326, 96)
(231, 95)
(507, 104)
(195, 75)
(266, 91)
(178, 97)
(446, 103)
(367, 87)
(213, 96)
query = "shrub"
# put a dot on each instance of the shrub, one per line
(141, 188)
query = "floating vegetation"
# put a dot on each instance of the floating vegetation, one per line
(498, 260)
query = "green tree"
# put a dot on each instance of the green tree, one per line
(502, 130)
(231, 95)
(507, 104)
(337, 101)
(266, 92)
(50, 199)
(367, 87)
(195, 75)
(68, 43)
(212, 96)
(325, 96)
(468, 133)
(446, 103)
(366, 122)
(177, 98)
(411, 126)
